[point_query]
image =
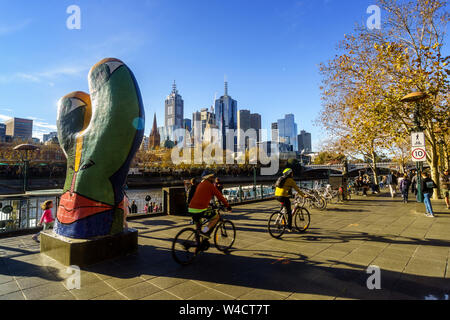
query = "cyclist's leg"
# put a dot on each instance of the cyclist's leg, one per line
(212, 218)
(287, 204)
(281, 200)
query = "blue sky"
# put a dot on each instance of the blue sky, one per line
(268, 50)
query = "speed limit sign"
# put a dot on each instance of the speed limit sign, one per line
(419, 154)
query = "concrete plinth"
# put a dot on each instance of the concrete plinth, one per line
(87, 252)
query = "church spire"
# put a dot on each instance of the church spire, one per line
(155, 138)
(155, 126)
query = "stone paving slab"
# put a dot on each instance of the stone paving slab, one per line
(330, 261)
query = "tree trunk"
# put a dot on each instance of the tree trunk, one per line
(434, 164)
(375, 169)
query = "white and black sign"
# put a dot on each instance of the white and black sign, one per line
(418, 140)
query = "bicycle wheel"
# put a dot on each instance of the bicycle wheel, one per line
(302, 219)
(185, 246)
(277, 225)
(320, 203)
(225, 235)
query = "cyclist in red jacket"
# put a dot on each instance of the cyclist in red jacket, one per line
(199, 205)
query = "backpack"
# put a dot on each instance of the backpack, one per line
(280, 182)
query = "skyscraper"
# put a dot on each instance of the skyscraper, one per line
(255, 123)
(226, 115)
(246, 121)
(19, 128)
(304, 142)
(275, 135)
(287, 129)
(174, 109)
(203, 119)
(243, 124)
(187, 124)
(2, 132)
(49, 136)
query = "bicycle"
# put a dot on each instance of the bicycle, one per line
(314, 200)
(329, 194)
(278, 220)
(190, 242)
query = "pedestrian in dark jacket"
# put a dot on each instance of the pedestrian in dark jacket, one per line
(191, 190)
(428, 186)
(414, 182)
(404, 188)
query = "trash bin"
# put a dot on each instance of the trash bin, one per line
(174, 201)
(336, 181)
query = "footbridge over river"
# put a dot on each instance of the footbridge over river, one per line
(357, 166)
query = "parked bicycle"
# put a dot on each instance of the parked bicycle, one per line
(328, 193)
(190, 242)
(314, 200)
(278, 220)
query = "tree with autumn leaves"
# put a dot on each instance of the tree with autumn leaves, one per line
(363, 86)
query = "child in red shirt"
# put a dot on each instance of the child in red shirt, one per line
(46, 218)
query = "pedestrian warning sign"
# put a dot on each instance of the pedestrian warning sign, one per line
(418, 140)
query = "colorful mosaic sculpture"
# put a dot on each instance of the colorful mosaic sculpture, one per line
(100, 135)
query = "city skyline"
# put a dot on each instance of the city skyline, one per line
(225, 110)
(271, 60)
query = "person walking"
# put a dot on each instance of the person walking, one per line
(46, 219)
(383, 182)
(428, 186)
(391, 181)
(399, 181)
(134, 208)
(445, 186)
(414, 182)
(404, 188)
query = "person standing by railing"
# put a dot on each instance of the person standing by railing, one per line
(46, 219)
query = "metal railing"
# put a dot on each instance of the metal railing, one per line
(243, 194)
(26, 211)
(25, 214)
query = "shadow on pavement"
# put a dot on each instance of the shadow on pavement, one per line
(270, 270)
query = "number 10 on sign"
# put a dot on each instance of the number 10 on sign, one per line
(419, 154)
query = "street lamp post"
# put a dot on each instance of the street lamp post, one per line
(24, 150)
(416, 98)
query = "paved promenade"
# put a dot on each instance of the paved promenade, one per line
(328, 262)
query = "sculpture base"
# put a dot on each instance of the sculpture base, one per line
(82, 253)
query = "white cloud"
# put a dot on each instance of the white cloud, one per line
(4, 117)
(46, 76)
(41, 128)
(44, 125)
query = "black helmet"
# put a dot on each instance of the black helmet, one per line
(207, 174)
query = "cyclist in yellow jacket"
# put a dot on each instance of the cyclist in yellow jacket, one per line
(284, 186)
